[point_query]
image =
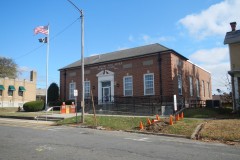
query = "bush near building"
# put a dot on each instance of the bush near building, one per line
(33, 106)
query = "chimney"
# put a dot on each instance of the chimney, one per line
(233, 26)
(33, 76)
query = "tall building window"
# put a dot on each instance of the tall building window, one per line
(72, 86)
(21, 89)
(179, 84)
(203, 88)
(149, 84)
(208, 87)
(87, 89)
(197, 88)
(128, 86)
(10, 90)
(190, 86)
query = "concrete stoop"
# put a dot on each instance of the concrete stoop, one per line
(48, 118)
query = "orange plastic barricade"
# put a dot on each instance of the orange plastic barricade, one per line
(72, 108)
(68, 109)
(63, 108)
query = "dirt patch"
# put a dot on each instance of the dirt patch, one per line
(157, 126)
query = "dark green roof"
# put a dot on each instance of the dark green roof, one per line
(11, 87)
(2, 87)
(123, 54)
(21, 88)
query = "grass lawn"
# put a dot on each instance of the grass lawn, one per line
(226, 127)
(210, 113)
(108, 122)
(223, 130)
(182, 127)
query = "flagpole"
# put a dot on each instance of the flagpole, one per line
(46, 107)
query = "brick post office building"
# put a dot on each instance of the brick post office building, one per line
(146, 71)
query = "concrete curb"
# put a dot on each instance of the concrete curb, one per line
(18, 117)
(195, 134)
(157, 134)
(134, 131)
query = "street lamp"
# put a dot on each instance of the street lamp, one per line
(82, 56)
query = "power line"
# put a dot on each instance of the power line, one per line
(52, 38)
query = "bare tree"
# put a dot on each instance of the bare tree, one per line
(8, 68)
(226, 97)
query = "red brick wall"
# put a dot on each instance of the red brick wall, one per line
(169, 70)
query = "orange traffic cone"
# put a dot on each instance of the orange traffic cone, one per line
(141, 125)
(153, 121)
(182, 115)
(177, 117)
(157, 117)
(148, 121)
(170, 120)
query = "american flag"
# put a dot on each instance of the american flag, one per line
(41, 29)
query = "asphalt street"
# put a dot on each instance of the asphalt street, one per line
(40, 141)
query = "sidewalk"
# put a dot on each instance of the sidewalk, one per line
(42, 117)
(27, 121)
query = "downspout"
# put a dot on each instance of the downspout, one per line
(160, 75)
(65, 84)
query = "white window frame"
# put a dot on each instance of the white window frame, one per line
(197, 88)
(87, 89)
(190, 86)
(72, 87)
(179, 84)
(127, 89)
(145, 84)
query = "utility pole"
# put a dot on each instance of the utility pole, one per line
(82, 57)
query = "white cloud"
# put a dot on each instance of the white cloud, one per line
(147, 39)
(219, 73)
(131, 38)
(24, 69)
(212, 21)
(211, 56)
(216, 61)
(24, 72)
(122, 48)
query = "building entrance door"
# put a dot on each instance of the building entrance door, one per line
(106, 92)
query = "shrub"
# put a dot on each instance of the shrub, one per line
(69, 102)
(55, 103)
(33, 106)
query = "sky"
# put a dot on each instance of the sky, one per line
(195, 29)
